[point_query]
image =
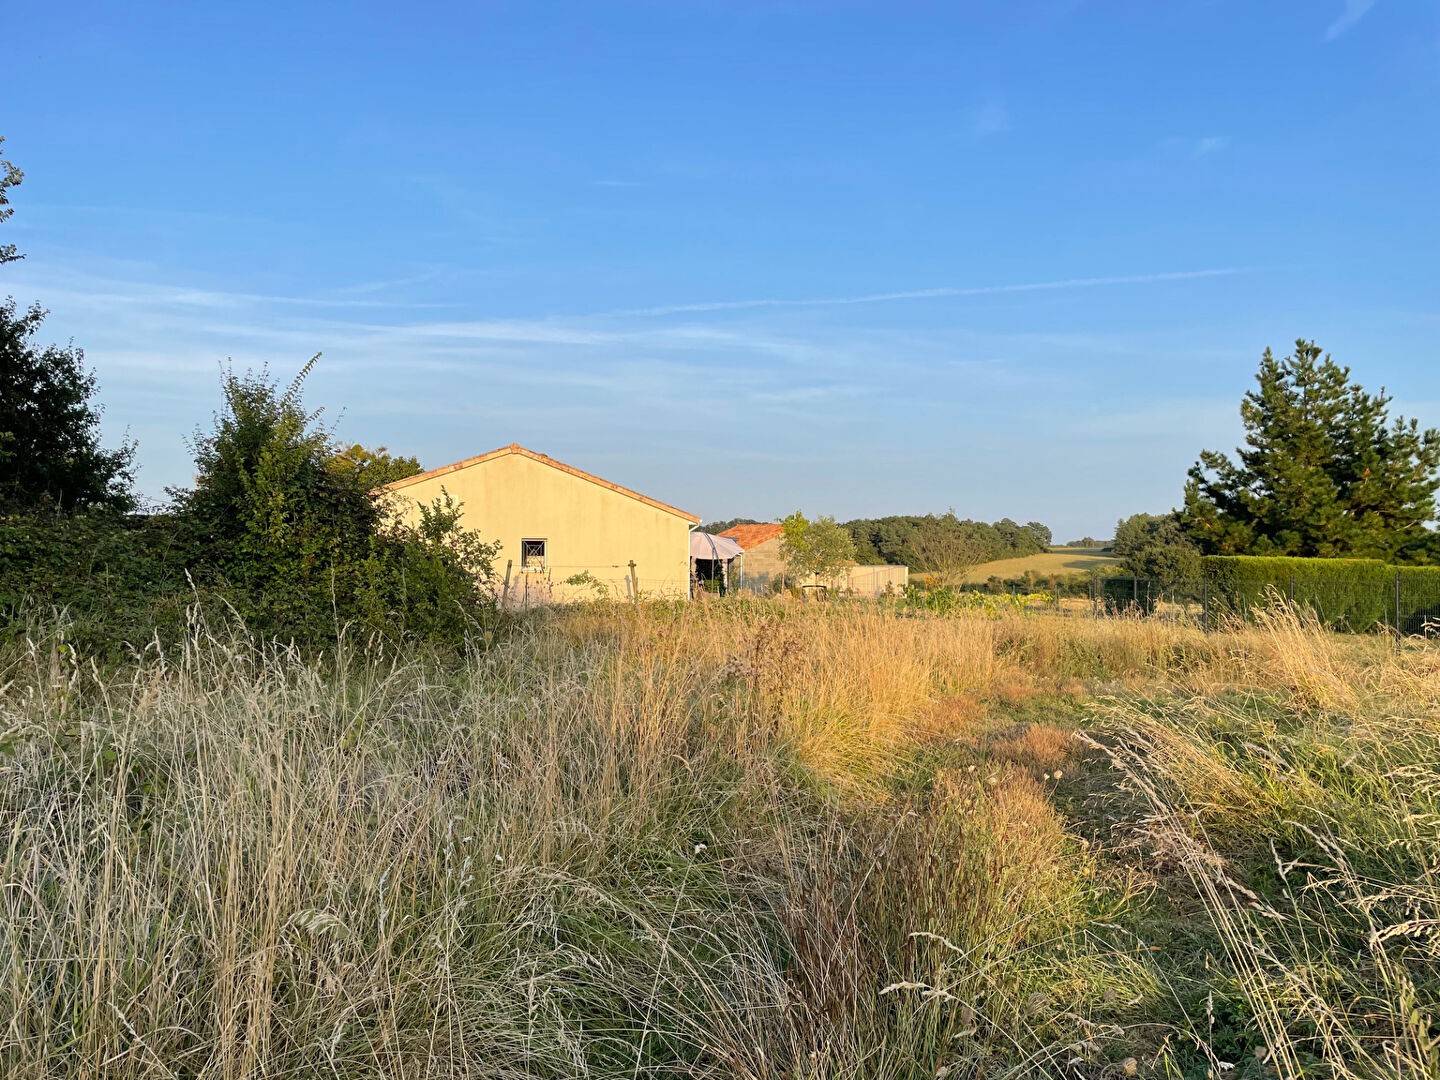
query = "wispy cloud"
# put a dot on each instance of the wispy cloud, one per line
(367, 287)
(990, 119)
(931, 294)
(581, 386)
(1355, 10)
(1193, 147)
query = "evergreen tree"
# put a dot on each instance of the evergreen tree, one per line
(1325, 472)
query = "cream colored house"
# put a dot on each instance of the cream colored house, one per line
(564, 534)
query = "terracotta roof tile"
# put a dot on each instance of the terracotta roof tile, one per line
(749, 536)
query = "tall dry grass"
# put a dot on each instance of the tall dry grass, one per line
(722, 840)
(1303, 807)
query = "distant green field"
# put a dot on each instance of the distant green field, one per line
(1061, 560)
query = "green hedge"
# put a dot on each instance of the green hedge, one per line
(1419, 599)
(1355, 594)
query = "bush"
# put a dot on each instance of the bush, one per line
(121, 577)
(944, 600)
(301, 548)
(1353, 594)
(274, 534)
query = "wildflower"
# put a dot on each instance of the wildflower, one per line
(699, 848)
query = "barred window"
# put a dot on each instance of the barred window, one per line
(532, 555)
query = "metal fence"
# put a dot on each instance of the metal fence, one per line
(1405, 603)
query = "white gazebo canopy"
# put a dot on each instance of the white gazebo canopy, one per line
(705, 546)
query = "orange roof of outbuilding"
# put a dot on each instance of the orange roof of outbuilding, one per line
(516, 448)
(749, 536)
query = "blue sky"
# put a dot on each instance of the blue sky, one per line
(859, 258)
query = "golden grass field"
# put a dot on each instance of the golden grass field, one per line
(1061, 561)
(740, 840)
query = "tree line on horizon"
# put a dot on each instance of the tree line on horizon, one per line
(930, 542)
(1325, 473)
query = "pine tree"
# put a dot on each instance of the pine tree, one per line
(1325, 472)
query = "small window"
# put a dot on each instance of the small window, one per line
(532, 555)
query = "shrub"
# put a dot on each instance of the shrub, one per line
(943, 600)
(274, 533)
(121, 577)
(1354, 594)
(300, 546)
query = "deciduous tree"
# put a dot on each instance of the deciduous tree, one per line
(50, 451)
(822, 547)
(946, 555)
(10, 177)
(1155, 546)
(374, 468)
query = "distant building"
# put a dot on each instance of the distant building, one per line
(564, 533)
(762, 566)
(760, 563)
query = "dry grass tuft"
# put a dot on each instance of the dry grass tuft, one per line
(1039, 746)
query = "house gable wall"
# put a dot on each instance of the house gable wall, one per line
(588, 528)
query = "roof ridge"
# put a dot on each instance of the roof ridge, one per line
(545, 459)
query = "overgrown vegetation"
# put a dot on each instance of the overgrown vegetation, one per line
(731, 840)
(279, 801)
(280, 528)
